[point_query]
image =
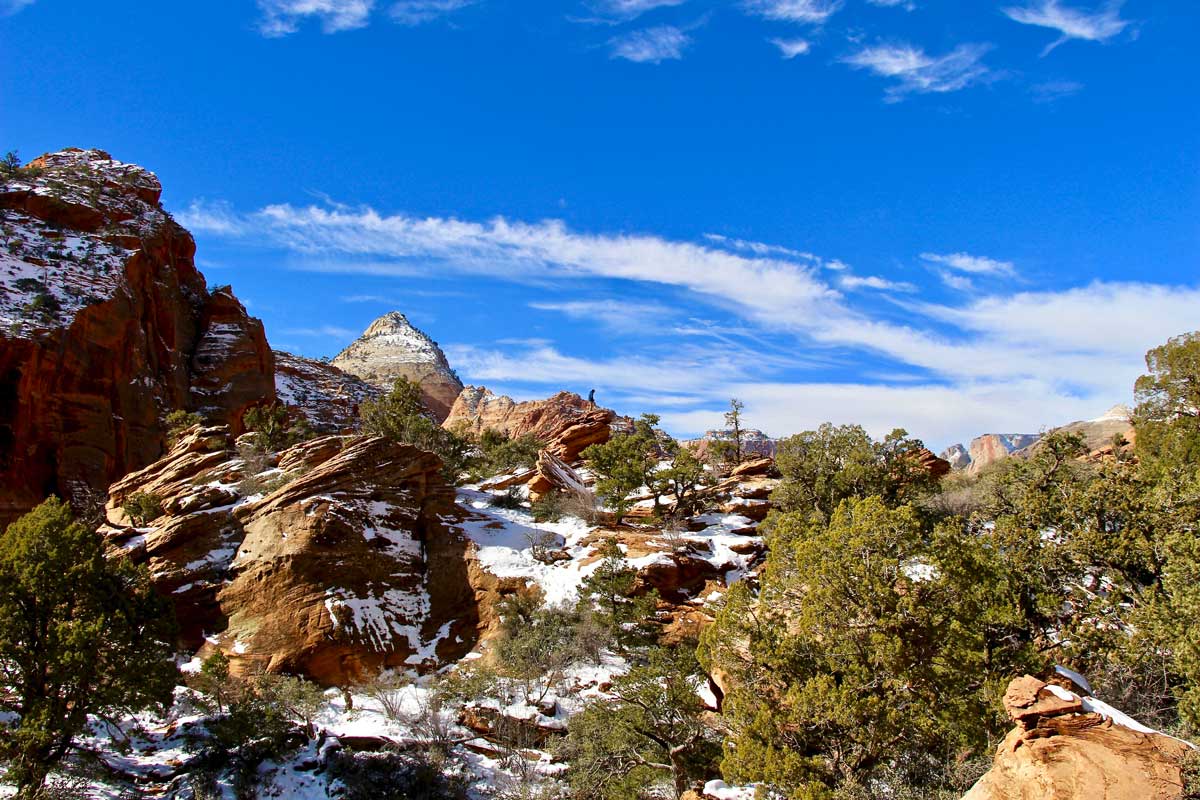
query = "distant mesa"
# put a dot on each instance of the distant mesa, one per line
(989, 448)
(390, 348)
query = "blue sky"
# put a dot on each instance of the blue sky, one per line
(955, 217)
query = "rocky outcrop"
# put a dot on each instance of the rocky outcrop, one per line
(339, 560)
(553, 474)
(1070, 746)
(992, 447)
(349, 569)
(105, 327)
(392, 348)
(566, 423)
(935, 466)
(327, 397)
(1097, 434)
(754, 443)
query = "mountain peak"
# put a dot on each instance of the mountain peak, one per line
(392, 347)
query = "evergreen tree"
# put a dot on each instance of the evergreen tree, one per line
(612, 588)
(401, 415)
(80, 635)
(649, 732)
(625, 463)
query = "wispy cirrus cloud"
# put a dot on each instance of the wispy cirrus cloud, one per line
(916, 72)
(650, 45)
(812, 12)
(853, 282)
(283, 17)
(790, 48)
(617, 315)
(418, 12)
(1071, 23)
(975, 265)
(631, 9)
(1044, 342)
(907, 5)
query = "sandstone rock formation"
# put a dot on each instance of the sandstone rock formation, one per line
(565, 422)
(105, 327)
(754, 442)
(326, 396)
(1097, 433)
(1069, 746)
(339, 561)
(392, 348)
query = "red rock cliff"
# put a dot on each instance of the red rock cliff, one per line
(105, 327)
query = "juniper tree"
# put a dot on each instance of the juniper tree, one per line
(80, 635)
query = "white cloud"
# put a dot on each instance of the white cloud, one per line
(218, 218)
(976, 265)
(631, 9)
(10, 7)
(650, 45)
(619, 315)
(955, 281)
(1078, 348)
(336, 238)
(282, 17)
(915, 72)
(852, 282)
(759, 248)
(790, 48)
(1049, 91)
(941, 415)
(907, 5)
(812, 12)
(418, 12)
(1071, 23)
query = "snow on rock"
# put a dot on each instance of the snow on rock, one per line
(327, 397)
(391, 348)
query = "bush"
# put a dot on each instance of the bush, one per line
(499, 454)
(275, 427)
(391, 776)
(179, 421)
(142, 508)
(548, 507)
(401, 416)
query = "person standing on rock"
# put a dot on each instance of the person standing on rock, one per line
(592, 398)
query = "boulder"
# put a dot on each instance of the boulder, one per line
(1071, 747)
(347, 564)
(553, 474)
(349, 568)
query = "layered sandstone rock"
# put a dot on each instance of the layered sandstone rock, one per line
(327, 397)
(392, 348)
(1068, 746)
(105, 327)
(350, 568)
(566, 422)
(339, 561)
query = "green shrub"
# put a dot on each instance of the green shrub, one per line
(391, 776)
(142, 508)
(179, 421)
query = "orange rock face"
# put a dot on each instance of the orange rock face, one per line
(1062, 751)
(565, 422)
(348, 564)
(105, 327)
